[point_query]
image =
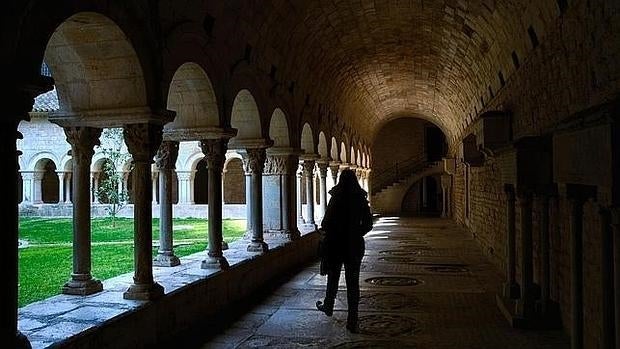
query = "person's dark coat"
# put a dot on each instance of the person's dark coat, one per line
(346, 221)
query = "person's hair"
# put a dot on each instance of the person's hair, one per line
(348, 181)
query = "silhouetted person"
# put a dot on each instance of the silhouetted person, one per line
(346, 221)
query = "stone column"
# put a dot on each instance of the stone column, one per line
(37, 188)
(190, 187)
(255, 165)
(215, 154)
(607, 280)
(27, 178)
(615, 225)
(143, 140)
(300, 216)
(576, 262)
(68, 193)
(545, 262)
(165, 160)
(291, 193)
(61, 187)
(280, 213)
(184, 177)
(9, 333)
(248, 191)
(82, 140)
(154, 177)
(511, 288)
(526, 304)
(309, 175)
(96, 176)
(323, 187)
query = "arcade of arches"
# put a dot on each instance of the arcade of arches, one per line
(499, 118)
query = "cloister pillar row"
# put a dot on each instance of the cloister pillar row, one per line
(323, 166)
(143, 140)
(308, 172)
(215, 154)
(165, 160)
(82, 140)
(299, 176)
(255, 164)
(280, 211)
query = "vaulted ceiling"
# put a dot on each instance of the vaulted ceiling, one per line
(375, 60)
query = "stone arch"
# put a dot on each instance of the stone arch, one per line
(192, 161)
(307, 139)
(192, 97)
(278, 129)
(36, 158)
(343, 152)
(49, 181)
(201, 178)
(234, 177)
(245, 116)
(323, 152)
(334, 150)
(94, 65)
(352, 156)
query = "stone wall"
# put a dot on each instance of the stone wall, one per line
(562, 76)
(397, 141)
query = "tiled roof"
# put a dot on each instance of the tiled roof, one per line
(46, 102)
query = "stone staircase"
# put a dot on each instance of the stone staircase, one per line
(388, 199)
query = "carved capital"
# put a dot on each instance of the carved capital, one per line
(83, 141)
(323, 166)
(167, 155)
(142, 140)
(308, 168)
(215, 153)
(276, 165)
(254, 160)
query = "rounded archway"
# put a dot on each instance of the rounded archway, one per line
(47, 189)
(201, 180)
(94, 65)
(245, 116)
(278, 130)
(192, 97)
(234, 189)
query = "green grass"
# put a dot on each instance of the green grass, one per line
(46, 265)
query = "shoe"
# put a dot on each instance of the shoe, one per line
(324, 308)
(353, 327)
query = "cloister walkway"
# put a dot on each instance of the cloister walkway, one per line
(425, 284)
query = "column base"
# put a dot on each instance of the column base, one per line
(511, 290)
(224, 245)
(166, 260)
(258, 246)
(144, 292)
(22, 342)
(512, 311)
(212, 262)
(83, 287)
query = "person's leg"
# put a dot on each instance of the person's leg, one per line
(352, 275)
(333, 276)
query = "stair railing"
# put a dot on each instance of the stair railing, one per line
(398, 171)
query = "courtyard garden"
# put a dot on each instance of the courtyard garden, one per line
(45, 256)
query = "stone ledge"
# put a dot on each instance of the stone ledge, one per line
(193, 296)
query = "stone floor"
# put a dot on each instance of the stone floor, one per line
(425, 284)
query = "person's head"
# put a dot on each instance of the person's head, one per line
(348, 180)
